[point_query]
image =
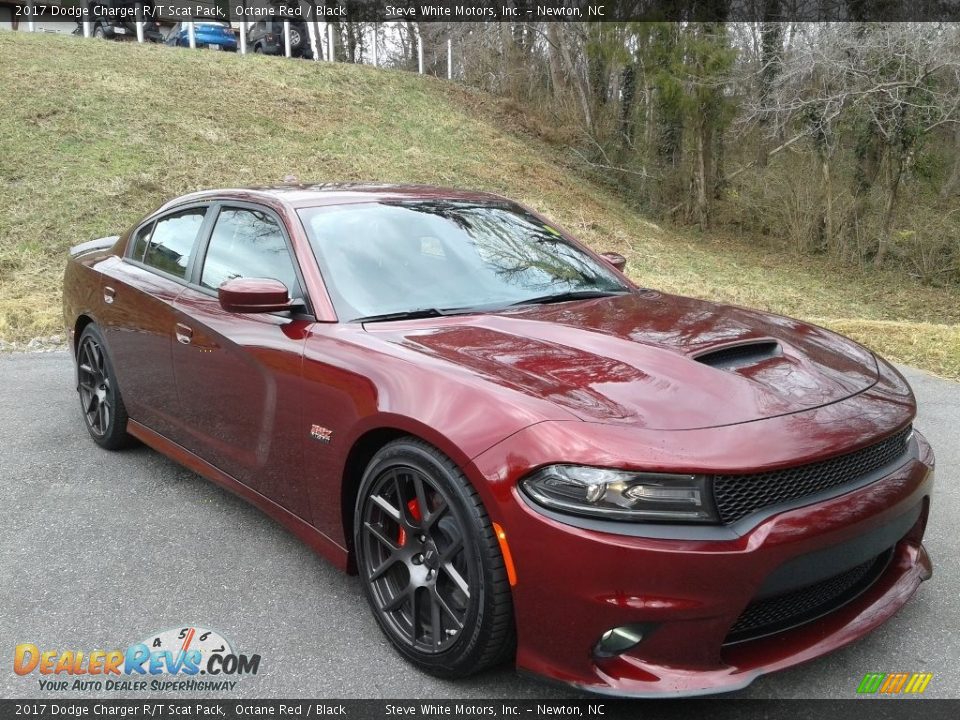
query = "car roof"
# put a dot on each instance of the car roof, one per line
(302, 195)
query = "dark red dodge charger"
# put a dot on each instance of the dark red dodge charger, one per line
(523, 454)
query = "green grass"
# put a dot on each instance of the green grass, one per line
(96, 134)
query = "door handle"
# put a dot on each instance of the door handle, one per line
(109, 294)
(184, 334)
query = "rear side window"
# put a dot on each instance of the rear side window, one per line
(140, 241)
(172, 241)
(248, 243)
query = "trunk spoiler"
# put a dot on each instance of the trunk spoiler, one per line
(92, 245)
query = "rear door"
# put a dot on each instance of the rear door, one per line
(137, 318)
(238, 375)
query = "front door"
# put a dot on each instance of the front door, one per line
(238, 375)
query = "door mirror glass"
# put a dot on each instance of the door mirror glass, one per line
(254, 295)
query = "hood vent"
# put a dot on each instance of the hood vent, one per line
(736, 356)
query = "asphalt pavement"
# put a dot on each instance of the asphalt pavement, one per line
(101, 549)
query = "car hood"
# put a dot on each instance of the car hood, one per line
(648, 359)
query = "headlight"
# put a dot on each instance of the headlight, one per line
(621, 495)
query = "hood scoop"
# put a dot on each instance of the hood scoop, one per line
(732, 357)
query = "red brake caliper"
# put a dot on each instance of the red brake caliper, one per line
(414, 507)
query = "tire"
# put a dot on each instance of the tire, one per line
(430, 563)
(98, 32)
(258, 50)
(102, 406)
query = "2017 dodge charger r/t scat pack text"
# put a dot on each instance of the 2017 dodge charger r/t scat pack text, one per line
(521, 453)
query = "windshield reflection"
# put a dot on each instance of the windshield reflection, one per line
(402, 256)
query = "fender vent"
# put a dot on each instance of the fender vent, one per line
(734, 356)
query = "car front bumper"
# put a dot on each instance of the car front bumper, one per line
(575, 583)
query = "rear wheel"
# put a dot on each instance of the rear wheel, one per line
(430, 562)
(103, 410)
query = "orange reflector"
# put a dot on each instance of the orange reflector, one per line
(507, 557)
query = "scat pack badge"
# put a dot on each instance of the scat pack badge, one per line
(169, 660)
(319, 432)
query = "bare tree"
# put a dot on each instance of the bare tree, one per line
(898, 81)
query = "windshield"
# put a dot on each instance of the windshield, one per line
(396, 257)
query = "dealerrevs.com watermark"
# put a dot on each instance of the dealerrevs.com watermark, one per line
(187, 659)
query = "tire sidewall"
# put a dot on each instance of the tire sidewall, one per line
(457, 659)
(114, 434)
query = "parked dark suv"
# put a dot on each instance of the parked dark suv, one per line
(119, 28)
(266, 37)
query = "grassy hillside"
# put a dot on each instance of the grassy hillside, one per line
(95, 134)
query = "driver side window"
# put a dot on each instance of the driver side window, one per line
(248, 243)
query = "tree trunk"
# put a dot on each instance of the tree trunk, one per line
(771, 48)
(895, 175)
(557, 78)
(867, 156)
(351, 41)
(560, 43)
(627, 94)
(410, 46)
(702, 174)
(827, 176)
(597, 70)
(953, 181)
(506, 57)
(719, 178)
(318, 36)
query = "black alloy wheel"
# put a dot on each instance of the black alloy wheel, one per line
(103, 410)
(430, 562)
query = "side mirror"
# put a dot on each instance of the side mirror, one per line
(254, 295)
(615, 259)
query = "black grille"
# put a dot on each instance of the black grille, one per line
(739, 495)
(764, 617)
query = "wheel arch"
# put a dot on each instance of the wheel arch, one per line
(362, 450)
(79, 326)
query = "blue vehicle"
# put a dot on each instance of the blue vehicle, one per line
(207, 34)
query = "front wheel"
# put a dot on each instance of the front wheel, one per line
(430, 562)
(103, 410)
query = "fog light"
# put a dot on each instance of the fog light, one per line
(618, 640)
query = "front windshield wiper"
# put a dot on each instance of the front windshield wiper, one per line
(570, 295)
(413, 314)
(444, 312)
